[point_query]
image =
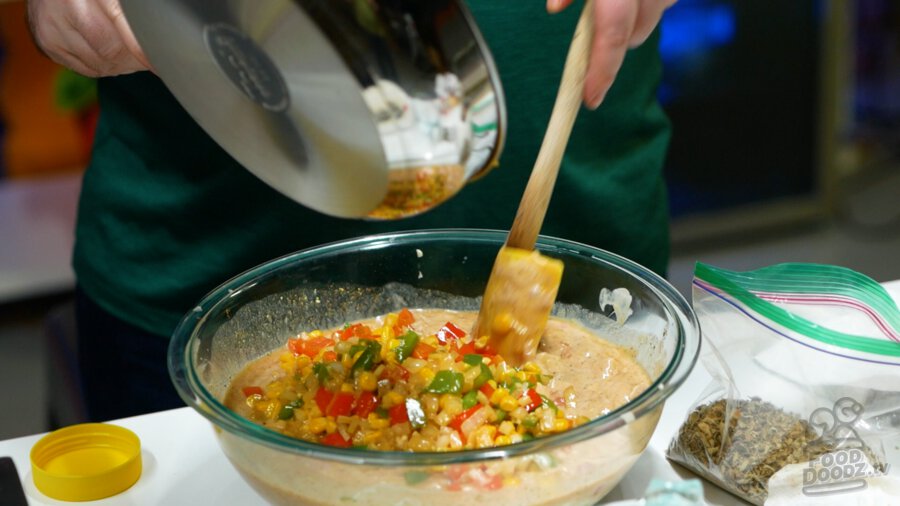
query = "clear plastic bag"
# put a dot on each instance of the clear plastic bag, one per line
(805, 361)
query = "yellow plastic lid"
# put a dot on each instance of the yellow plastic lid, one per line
(86, 462)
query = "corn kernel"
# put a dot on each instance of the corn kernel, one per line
(316, 333)
(498, 395)
(377, 422)
(507, 427)
(317, 425)
(390, 319)
(481, 342)
(372, 437)
(483, 436)
(287, 362)
(560, 425)
(531, 367)
(509, 403)
(427, 374)
(274, 390)
(346, 388)
(502, 324)
(451, 404)
(430, 404)
(502, 440)
(259, 405)
(252, 400)
(392, 399)
(367, 381)
(330, 425)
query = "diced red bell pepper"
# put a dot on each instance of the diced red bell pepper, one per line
(336, 439)
(357, 330)
(341, 405)
(394, 373)
(365, 404)
(495, 483)
(458, 420)
(248, 391)
(488, 351)
(323, 399)
(466, 349)
(450, 332)
(470, 348)
(329, 356)
(487, 390)
(534, 400)
(397, 414)
(309, 347)
(456, 472)
(422, 350)
(405, 318)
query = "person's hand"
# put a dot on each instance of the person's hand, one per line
(90, 37)
(619, 25)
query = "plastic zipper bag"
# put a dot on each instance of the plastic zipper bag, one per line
(805, 360)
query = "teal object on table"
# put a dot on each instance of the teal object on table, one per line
(674, 493)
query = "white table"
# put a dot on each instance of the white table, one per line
(183, 464)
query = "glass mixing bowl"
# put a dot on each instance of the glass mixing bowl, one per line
(324, 287)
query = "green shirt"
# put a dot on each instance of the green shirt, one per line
(166, 215)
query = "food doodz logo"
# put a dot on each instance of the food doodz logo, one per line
(848, 462)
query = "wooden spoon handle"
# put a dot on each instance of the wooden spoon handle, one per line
(533, 206)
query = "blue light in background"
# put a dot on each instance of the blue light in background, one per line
(690, 31)
(692, 27)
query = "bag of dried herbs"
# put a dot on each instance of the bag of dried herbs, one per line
(805, 361)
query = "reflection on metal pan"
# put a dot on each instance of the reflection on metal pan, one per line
(358, 109)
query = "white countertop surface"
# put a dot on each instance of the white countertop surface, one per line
(183, 464)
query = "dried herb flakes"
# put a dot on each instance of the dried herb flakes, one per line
(760, 440)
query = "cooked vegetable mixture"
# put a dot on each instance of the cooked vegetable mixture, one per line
(385, 386)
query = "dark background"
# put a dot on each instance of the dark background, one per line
(741, 86)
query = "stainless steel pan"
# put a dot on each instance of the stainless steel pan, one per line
(355, 108)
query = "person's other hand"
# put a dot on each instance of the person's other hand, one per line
(619, 25)
(90, 37)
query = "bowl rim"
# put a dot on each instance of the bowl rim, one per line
(190, 388)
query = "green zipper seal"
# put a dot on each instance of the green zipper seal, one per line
(804, 278)
(487, 127)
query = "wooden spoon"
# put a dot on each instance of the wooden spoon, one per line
(523, 284)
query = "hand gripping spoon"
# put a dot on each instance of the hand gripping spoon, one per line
(523, 284)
